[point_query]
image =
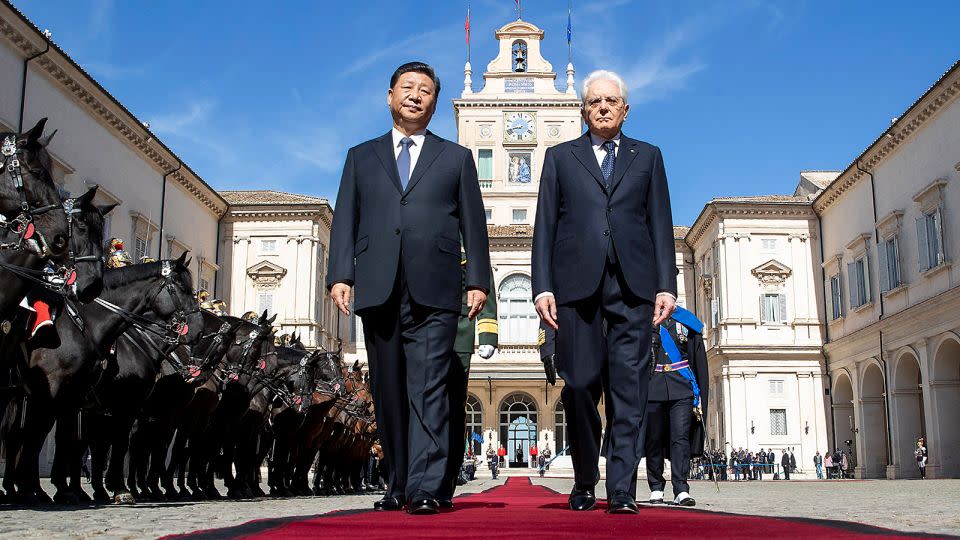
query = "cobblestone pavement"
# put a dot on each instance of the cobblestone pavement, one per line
(930, 506)
(150, 520)
(902, 505)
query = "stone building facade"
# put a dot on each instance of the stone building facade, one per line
(274, 249)
(892, 291)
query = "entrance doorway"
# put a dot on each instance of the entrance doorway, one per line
(518, 427)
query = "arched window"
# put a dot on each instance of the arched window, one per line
(518, 428)
(475, 424)
(519, 56)
(518, 318)
(560, 429)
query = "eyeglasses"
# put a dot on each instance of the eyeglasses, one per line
(611, 102)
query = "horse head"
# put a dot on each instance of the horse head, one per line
(85, 257)
(28, 194)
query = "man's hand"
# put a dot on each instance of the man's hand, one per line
(547, 309)
(663, 309)
(550, 369)
(475, 299)
(340, 294)
(486, 351)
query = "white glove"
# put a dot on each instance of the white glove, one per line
(486, 351)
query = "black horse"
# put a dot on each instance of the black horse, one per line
(198, 425)
(60, 381)
(163, 408)
(31, 231)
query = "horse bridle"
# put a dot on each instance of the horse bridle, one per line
(54, 279)
(21, 226)
(170, 332)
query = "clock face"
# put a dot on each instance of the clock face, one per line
(519, 126)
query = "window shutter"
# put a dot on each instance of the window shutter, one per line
(715, 311)
(938, 226)
(867, 282)
(782, 298)
(884, 266)
(852, 281)
(895, 279)
(828, 297)
(763, 313)
(923, 245)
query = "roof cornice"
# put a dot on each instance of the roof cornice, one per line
(63, 71)
(714, 210)
(943, 92)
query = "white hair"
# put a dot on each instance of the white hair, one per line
(603, 75)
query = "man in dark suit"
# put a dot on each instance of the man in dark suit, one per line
(604, 269)
(406, 200)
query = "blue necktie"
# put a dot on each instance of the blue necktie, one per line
(403, 161)
(606, 168)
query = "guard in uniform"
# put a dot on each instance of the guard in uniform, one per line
(481, 335)
(116, 255)
(676, 405)
(203, 297)
(219, 307)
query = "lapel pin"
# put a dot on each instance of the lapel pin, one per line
(633, 150)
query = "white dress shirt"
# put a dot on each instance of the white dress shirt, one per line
(601, 153)
(415, 148)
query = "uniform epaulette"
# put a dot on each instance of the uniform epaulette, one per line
(487, 326)
(541, 338)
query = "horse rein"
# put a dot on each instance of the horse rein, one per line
(170, 332)
(22, 225)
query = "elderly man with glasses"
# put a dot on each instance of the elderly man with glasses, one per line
(604, 271)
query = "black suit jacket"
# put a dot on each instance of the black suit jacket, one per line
(577, 217)
(377, 225)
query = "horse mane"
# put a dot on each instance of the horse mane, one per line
(115, 277)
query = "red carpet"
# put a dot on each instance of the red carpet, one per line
(522, 510)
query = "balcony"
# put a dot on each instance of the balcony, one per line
(486, 184)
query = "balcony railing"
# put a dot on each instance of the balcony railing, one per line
(486, 184)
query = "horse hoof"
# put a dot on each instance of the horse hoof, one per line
(155, 495)
(66, 498)
(101, 497)
(257, 492)
(82, 496)
(198, 495)
(123, 497)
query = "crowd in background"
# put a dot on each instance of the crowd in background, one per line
(744, 465)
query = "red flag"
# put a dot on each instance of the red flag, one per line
(466, 26)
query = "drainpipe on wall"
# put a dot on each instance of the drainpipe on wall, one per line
(826, 325)
(23, 81)
(886, 374)
(163, 206)
(216, 256)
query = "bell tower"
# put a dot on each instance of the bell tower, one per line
(511, 121)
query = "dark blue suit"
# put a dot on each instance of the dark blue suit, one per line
(605, 248)
(400, 249)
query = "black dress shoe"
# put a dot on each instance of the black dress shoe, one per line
(689, 501)
(388, 504)
(582, 499)
(622, 503)
(445, 503)
(423, 506)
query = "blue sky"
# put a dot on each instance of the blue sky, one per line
(740, 95)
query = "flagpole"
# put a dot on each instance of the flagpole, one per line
(468, 32)
(569, 36)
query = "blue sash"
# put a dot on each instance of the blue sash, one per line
(691, 321)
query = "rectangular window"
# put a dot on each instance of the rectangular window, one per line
(268, 246)
(489, 214)
(778, 421)
(204, 284)
(836, 297)
(776, 386)
(858, 275)
(519, 216)
(139, 248)
(773, 308)
(930, 240)
(485, 164)
(768, 244)
(889, 264)
(264, 302)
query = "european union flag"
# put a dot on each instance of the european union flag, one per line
(569, 28)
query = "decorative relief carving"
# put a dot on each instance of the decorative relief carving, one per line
(772, 274)
(266, 275)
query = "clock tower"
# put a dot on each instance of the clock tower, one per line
(508, 124)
